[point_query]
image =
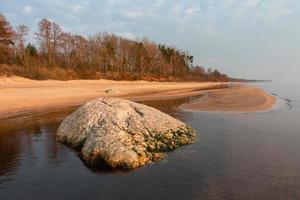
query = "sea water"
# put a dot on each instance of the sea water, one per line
(236, 156)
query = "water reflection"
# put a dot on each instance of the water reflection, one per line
(168, 105)
(237, 156)
(28, 139)
(10, 149)
(31, 139)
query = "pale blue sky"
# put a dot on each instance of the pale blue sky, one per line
(244, 38)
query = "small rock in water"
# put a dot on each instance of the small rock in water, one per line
(118, 133)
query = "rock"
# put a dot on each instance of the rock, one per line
(118, 133)
(112, 91)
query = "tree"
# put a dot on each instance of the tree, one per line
(56, 35)
(22, 31)
(79, 51)
(7, 35)
(49, 37)
(66, 47)
(44, 39)
(109, 51)
(31, 50)
(154, 57)
(103, 54)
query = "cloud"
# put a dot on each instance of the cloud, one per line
(176, 8)
(76, 8)
(28, 9)
(280, 9)
(127, 35)
(252, 3)
(228, 34)
(191, 11)
(133, 14)
(159, 3)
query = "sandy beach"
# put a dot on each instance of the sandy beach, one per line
(234, 99)
(19, 95)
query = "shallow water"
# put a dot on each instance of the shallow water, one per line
(237, 156)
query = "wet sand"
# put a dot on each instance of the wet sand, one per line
(239, 98)
(22, 96)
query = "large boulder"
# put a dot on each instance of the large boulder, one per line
(118, 133)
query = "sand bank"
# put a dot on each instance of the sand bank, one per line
(233, 99)
(19, 95)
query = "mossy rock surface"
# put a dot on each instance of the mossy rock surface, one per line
(122, 134)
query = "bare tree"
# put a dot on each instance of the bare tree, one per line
(56, 34)
(44, 39)
(103, 54)
(22, 32)
(7, 36)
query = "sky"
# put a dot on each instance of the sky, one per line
(257, 39)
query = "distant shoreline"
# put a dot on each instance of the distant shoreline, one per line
(22, 96)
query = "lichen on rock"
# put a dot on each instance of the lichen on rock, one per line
(119, 133)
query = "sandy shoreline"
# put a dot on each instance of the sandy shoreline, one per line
(20, 96)
(234, 99)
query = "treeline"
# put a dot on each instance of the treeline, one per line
(57, 54)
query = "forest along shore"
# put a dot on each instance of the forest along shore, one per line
(240, 98)
(20, 95)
